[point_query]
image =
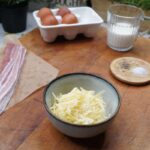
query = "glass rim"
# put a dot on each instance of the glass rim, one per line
(128, 17)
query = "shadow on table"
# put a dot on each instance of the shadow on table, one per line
(94, 142)
(79, 38)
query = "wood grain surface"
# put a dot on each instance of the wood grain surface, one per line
(131, 70)
(26, 127)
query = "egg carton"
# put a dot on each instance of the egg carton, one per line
(88, 24)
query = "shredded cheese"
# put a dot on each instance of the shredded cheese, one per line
(79, 106)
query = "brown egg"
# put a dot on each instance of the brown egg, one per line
(44, 12)
(49, 20)
(69, 19)
(63, 11)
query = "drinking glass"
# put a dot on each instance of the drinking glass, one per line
(123, 25)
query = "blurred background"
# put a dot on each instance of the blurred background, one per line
(7, 17)
(101, 6)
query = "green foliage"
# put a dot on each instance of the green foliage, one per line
(144, 4)
(12, 2)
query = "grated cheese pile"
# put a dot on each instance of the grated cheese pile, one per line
(79, 106)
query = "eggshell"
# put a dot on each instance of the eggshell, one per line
(44, 12)
(88, 25)
(63, 11)
(49, 20)
(69, 19)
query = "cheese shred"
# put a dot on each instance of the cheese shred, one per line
(79, 106)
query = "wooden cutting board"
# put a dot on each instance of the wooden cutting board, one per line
(26, 127)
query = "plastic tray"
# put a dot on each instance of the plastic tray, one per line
(89, 22)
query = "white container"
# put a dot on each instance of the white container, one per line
(89, 23)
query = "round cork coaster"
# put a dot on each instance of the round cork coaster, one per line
(131, 70)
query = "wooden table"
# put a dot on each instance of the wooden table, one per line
(26, 127)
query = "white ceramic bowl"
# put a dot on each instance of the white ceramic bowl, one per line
(89, 23)
(66, 83)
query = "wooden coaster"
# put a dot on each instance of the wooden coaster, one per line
(131, 70)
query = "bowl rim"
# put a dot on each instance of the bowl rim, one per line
(78, 125)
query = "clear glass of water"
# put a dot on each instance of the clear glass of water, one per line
(123, 25)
